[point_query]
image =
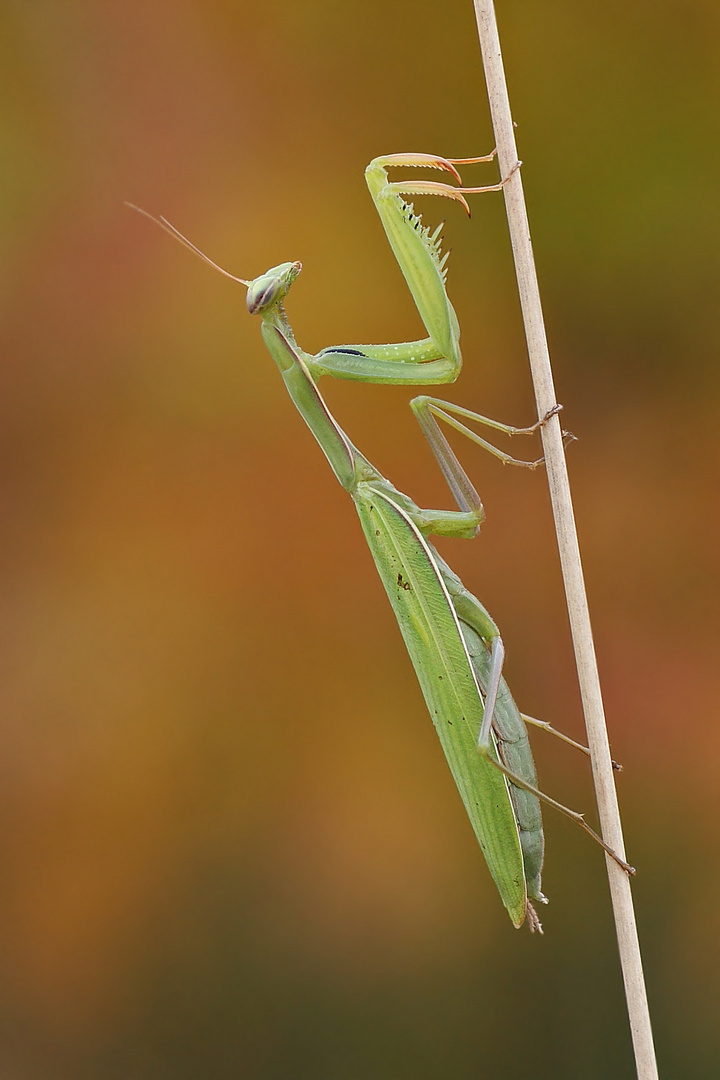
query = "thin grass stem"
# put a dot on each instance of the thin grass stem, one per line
(578, 611)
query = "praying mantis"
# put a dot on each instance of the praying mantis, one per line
(453, 643)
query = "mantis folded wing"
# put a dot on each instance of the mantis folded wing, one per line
(453, 643)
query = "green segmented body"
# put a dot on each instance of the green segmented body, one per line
(436, 641)
(513, 746)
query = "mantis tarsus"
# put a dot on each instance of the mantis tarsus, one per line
(454, 644)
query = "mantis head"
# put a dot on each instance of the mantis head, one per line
(271, 288)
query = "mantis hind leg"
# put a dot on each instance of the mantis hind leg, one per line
(488, 668)
(484, 749)
(544, 726)
(509, 735)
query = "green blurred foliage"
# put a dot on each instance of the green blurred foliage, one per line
(230, 846)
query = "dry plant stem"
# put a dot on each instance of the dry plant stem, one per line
(568, 545)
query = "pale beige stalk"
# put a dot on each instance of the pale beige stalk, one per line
(568, 545)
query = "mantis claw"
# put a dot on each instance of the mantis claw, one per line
(551, 412)
(473, 160)
(431, 187)
(425, 161)
(567, 436)
(493, 187)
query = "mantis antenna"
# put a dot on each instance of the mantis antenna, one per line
(165, 224)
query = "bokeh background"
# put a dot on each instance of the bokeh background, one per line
(229, 844)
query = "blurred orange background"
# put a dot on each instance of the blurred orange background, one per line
(230, 844)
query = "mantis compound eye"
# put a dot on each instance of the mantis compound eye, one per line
(261, 293)
(272, 287)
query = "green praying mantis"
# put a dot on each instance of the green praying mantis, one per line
(454, 644)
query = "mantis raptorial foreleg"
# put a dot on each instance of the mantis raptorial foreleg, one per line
(437, 358)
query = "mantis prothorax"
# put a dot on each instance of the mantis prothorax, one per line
(453, 642)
